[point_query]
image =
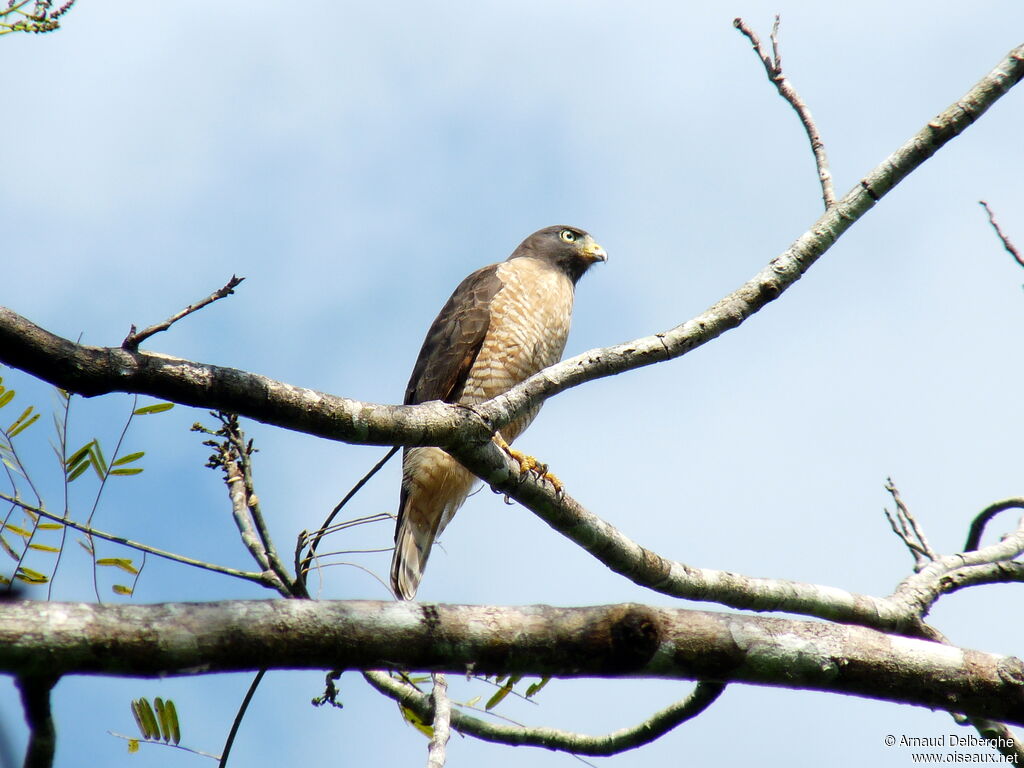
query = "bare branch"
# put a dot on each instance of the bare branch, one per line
(773, 66)
(595, 641)
(1002, 572)
(93, 371)
(985, 516)
(466, 432)
(947, 573)
(905, 526)
(651, 729)
(441, 721)
(1007, 244)
(134, 339)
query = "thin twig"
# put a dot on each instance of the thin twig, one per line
(651, 729)
(773, 66)
(99, 493)
(170, 744)
(442, 705)
(238, 717)
(302, 568)
(259, 578)
(135, 338)
(908, 530)
(1007, 244)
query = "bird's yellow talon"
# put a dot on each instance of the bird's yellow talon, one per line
(528, 463)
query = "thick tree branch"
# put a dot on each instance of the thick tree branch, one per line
(651, 729)
(602, 641)
(465, 432)
(94, 370)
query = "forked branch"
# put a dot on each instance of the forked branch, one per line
(773, 67)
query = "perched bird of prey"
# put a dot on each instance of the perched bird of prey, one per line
(502, 324)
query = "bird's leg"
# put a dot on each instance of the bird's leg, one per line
(529, 463)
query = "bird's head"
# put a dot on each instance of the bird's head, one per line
(570, 249)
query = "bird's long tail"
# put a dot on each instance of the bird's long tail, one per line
(412, 548)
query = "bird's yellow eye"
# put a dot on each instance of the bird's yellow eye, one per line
(568, 235)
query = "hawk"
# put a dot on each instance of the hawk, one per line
(502, 324)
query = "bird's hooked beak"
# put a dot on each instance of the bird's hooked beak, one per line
(593, 252)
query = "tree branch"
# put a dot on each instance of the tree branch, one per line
(600, 641)
(440, 722)
(259, 578)
(918, 592)
(465, 432)
(234, 455)
(1003, 237)
(983, 518)
(134, 339)
(94, 371)
(651, 729)
(773, 67)
(906, 527)
(35, 699)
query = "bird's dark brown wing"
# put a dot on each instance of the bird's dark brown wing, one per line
(454, 340)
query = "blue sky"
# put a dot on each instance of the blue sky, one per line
(354, 163)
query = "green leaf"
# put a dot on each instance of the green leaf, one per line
(146, 410)
(9, 549)
(77, 472)
(502, 692)
(43, 547)
(133, 746)
(166, 714)
(78, 459)
(6, 397)
(145, 718)
(124, 563)
(172, 720)
(21, 428)
(30, 577)
(17, 531)
(414, 720)
(50, 526)
(98, 462)
(121, 589)
(535, 688)
(128, 471)
(23, 422)
(129, 458)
